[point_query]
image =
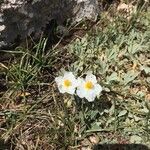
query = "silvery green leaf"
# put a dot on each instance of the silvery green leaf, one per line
(130, 76)
(135, 139)
(112, 77)
(96, 126)
(145, 110)
(106, 89)
(111, 110)
(148, 79)
(141, 94)
(122, 113)
(110, 121)
(106, 111)
(130, 115)
(146, 69)
(93, 114)
(137, 118)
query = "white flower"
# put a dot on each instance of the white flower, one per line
(67, 83)
(88, 88)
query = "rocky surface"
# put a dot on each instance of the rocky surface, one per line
(21, 18)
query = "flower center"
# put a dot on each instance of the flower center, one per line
(67, 83)
(88, 85)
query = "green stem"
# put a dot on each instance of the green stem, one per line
(147, 122)
(116, 118)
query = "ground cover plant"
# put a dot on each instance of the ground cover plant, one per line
(35, 115)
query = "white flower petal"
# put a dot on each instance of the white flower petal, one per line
(91, 77)
(75, 82)
(90, 97)
(80, 89)
(58, 80)
(71, 90)
(69, 75)
(97, 89)
(61, 89)
(80, 81)
(81, 92)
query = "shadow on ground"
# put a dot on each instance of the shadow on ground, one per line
(4, 146)
(120, 147)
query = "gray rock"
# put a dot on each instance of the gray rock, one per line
(21, 18)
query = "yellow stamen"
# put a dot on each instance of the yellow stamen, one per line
(67, 83)
(88, 85)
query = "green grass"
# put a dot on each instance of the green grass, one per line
(34, 115)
